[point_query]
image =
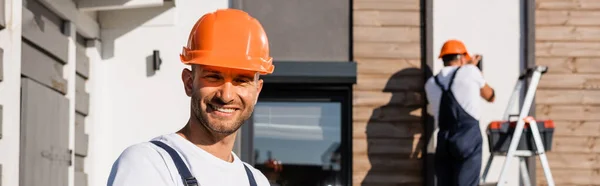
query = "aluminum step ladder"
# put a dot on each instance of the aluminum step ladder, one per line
(536, 74)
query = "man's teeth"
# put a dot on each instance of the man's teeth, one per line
(221, 109)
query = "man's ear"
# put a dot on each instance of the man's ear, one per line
(259, 87)
(188, 81)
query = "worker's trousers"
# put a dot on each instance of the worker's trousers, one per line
(458, 158)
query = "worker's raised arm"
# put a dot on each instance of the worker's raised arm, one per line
(485, 90)
(487, 93)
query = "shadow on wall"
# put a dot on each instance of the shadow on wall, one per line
(116, 23)
(394, 133)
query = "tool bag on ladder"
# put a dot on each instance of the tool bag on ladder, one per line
(522, 138)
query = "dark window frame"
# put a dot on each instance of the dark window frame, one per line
(286, 92)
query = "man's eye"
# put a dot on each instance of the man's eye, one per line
(212, 77)
(242, 80)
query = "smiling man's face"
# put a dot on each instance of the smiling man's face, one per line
(222, 98)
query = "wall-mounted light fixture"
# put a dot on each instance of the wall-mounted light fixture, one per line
(156, 61)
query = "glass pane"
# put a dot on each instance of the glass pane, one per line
(298, 143)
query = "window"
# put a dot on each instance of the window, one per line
(300, 135)
(303, 137)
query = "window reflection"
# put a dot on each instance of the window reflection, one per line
(298, 143)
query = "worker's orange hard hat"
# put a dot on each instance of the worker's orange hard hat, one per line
(229, 38)
(454, 47)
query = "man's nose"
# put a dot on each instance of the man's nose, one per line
(226, 93)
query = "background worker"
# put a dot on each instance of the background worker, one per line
(454, 95)
(227, 51)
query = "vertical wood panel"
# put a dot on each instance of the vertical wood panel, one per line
(388, 96)
(44, 136)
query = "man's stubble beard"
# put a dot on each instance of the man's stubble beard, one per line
(221, 128)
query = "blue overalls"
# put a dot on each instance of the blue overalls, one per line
(186, 175)
(458, 152)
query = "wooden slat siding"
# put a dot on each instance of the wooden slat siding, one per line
(48, 37)
(568, 112)
(568, 97)
(567, 37)
(386, 66)
(571, 177)
(386, 18)
(382, 81)
(79, 165)
(42, 68)
(386, 34)
(388, 95)
(387, 50)
(81, 138)
(576, 128)
(81, 179)
(568, 4)
(567, 49)
(390, 147)
(568, 33)
(567, 18)
(408, 178)
(566, 144)
(400, 164)
(571, 81)
(404, 99)
(82, 62)
(388, 129)
(386, 5)
(81, 144)
(569, 65)
(82, 98)
(388, 114)
(565, 161)
(79, 123)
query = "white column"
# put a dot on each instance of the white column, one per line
(10, 92)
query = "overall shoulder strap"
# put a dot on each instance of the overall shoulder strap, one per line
(187, 177)
(250, 176)
(453, 76)
(437, 82)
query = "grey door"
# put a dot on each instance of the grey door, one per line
(45, 155)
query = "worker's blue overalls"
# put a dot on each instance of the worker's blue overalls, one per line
(458, 151)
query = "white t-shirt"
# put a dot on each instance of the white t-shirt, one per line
(146, 164)
(466, 88)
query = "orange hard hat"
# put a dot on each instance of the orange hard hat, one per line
(454, 47)
(229, 38)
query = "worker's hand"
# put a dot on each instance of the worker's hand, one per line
(475, 60)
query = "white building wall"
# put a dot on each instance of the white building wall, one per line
(127, 106)
(493, 29)
(10, 92)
